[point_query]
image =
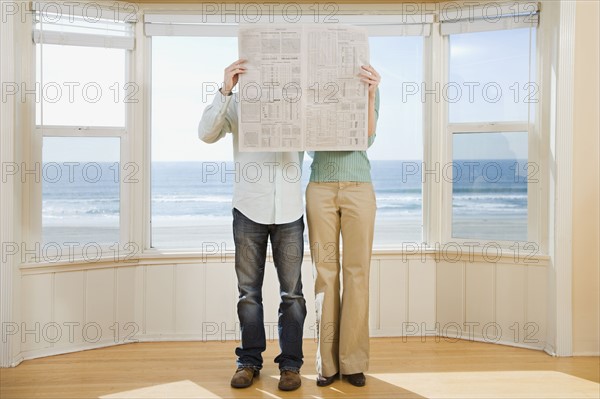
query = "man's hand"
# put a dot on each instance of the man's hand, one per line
(372, 78)
(231, 76)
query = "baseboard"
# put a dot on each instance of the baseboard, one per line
(397, 332)
(34, 354)
(586, 353)
(549, 349)
(16, 361)
(390, 333)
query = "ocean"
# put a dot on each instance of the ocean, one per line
(191, 201)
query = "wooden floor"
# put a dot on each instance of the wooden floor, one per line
(411, 369)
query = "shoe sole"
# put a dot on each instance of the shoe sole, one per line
(241, 385)
(324, 383)
(287, 389)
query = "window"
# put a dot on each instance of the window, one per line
(491, 76)
(489, 191)
(80, 190)
(192, 207)
(88, 90)
(81, 115)
(490, 93)
(397, 153)
(191, 187)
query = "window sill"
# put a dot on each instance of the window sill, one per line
(160, 257)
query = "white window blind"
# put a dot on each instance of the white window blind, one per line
(227, 24)
(76, 25)
(492, 16)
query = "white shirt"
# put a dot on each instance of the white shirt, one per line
(267, 187)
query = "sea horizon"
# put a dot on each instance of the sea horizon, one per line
(195, 196)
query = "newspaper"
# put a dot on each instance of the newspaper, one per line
(301, 90)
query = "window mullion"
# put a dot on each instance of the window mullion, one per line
(431, 197)
(143, 133)
(80, 131)
(500, 127)
(445, 150)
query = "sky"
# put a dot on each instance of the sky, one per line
(185, 69)
(175, 59)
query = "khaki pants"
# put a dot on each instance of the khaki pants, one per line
(342, 323)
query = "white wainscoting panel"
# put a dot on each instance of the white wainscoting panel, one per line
(450, 301)
(196, 300)
(220, 306)
(127, 324)
(69, 305)
(393, 296)
(190, 299)
(159, 301)
(374, 288)
(422, 294)
(100, 305)
(534, 331)
(36, 307)
(510, 303)
(479, 297)
(308, 289)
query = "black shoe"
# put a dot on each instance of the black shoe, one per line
(358, 379)
(324, 381)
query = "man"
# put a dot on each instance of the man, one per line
(267, 205)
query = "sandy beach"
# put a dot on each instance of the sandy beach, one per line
(388, 233)
(198, 233)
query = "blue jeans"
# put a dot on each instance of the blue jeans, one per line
(250, 254)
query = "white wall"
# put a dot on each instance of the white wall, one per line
(586, 175)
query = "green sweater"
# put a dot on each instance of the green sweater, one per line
(336, 166)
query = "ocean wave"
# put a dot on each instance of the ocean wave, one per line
(398, 198)
(179, 194)
(478, 202)
(49, 200)
(182, 199)
(499, 190)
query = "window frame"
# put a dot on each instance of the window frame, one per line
(534, 198)
(34, 191)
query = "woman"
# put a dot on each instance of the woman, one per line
(340, 200)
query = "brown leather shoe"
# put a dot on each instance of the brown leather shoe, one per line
(243, 377)
(289, 380)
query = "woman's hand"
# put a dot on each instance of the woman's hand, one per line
(370, 76)
(231, 76)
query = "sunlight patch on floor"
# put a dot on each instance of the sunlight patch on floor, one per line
(180, 389)
(494, 384)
